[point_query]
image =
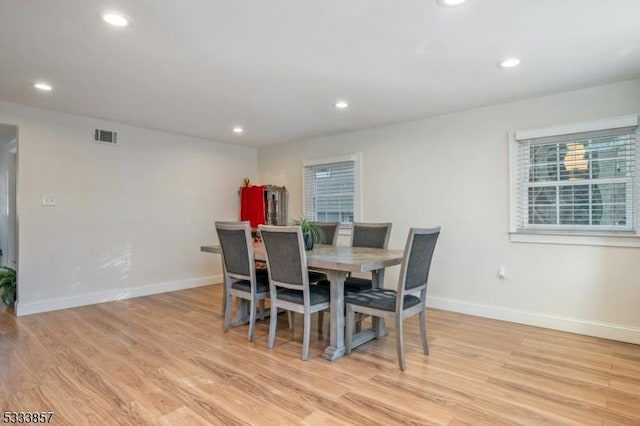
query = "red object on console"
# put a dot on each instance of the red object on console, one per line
(252, 205)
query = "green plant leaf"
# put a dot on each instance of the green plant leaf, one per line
(8, 284)
(309, 228)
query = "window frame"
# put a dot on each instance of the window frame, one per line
(577, 236)
(356, 158)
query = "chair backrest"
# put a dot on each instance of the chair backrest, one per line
(373, 235)
(418, 252)
(286, 258)
(329, 231)
(237, 249)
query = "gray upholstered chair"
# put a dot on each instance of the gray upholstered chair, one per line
(330, 231)
(401, 303)
(330, 234)
(373, 235)
(290, 289)
(240, 276)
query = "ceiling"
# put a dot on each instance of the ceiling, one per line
(199, 67)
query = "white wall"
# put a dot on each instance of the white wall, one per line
(452, 170)
(152, 199)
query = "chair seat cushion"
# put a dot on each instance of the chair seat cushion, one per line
(316, 295)
(262, 284)
(380, 298)
(315, 276)
(356, 285)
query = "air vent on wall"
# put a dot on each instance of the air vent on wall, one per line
(105, 136)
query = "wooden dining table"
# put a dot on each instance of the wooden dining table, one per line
(337, 262)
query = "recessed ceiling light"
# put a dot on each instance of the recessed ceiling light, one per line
(342, 104)
(450, 2)
(41, 85)
(116, 19)
(238, 130)
(509, 63)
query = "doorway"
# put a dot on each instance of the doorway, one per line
(8, 185)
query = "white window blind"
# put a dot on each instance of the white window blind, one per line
(582, 181)
(330, 192)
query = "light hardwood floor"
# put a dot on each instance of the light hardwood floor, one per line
(164, 359)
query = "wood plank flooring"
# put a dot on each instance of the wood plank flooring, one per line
(164, 359)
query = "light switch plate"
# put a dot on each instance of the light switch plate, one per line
(49, 200)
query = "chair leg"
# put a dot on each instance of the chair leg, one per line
(348, 335)
(227, 310)
(358, 320)
(291, 319)
(261, 305)
(306, 336)
(224, 297)
(252, 318)
(423, 332)
(401, 360)
(273, 322)
(320, 320)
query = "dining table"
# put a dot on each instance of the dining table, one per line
(337, 262)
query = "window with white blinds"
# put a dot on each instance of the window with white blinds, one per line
(578, 182)
(331, 190)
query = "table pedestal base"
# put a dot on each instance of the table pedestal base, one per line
(332, 353)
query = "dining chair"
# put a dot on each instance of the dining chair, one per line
(401, 303)
(373, 235)
(330, 231)
(240, 276)
(290, 289)
(330, 237)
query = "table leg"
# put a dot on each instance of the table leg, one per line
(335, 349)
(243, 308)
(242, 312)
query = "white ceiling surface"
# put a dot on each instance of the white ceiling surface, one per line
(199, 67)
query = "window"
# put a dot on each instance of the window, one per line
(577, 179)
(331, 189)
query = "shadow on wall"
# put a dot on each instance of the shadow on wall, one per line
(114, 265)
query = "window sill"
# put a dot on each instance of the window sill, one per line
(607, 240)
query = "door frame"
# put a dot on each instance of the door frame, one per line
(8, 201)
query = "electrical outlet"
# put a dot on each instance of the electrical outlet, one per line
(48, 200)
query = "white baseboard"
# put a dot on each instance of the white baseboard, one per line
(590, 328)
(611, 331)
(111, 295)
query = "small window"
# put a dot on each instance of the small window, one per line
(577, 182)
(331, 189)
